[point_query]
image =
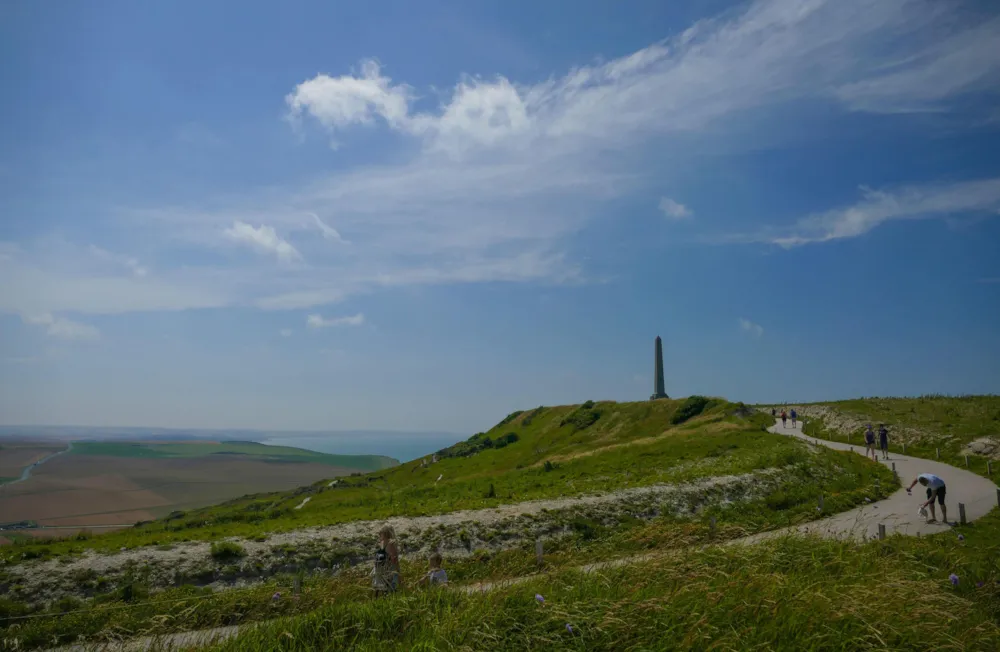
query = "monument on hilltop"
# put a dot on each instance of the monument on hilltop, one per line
(659, 390)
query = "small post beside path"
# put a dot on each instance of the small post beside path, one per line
(961, 513)
(998, 497)
(538, 551)
(966, 461)
(989, 467)
(821, 502)
(937, 453)
(711, 524)
(881, 531)
(904, 448)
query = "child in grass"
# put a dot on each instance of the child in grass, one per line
(385, 574)
(436, 575)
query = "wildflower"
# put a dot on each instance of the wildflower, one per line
(979, 585)
(954, 579)
(961, 537)
(276, 596)
(540, 599)
(569, 628)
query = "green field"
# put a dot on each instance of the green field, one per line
(237, 448)
(929, 425)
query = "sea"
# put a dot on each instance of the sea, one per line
(402, 446)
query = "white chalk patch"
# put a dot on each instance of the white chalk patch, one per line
(303, 503)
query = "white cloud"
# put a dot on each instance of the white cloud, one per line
(674, 210)
(263, 239)
(754, 329)
(966, 61)
(879, 206)
(63, 328)
(317, 321)
(493, 183)
(127, 261)
(286, 332)
(339, 102)
(328, 232)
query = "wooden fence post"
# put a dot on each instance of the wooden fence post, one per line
(538, 551)
(961, 513)
(881, 531)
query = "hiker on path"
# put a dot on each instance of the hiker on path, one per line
(385, 574)
(883, 440)
(935, 490)
(794, 416)
(870, 442)
(773, 412)
(783, 417)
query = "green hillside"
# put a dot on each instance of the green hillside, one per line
(724, 478)
(544, 453)
(245, 449)
(949, 426)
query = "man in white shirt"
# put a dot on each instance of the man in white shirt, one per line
(935, 490)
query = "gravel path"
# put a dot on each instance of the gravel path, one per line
(898, 513)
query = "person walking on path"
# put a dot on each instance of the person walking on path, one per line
(794, 416)
(883, 440)
(385, 574)
(935, 490)
(870, 443)
(783, 417)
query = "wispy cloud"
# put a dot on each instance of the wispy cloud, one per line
(264, 239)
(317, 321)
(674, 210)
(63, 328)
(880, 206)
(328, 232)
(130, 263)
(748, 326)
(493, 182)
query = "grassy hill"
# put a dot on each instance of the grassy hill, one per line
(195, 449)
(957, 426)
(597, 481)
(543, 453)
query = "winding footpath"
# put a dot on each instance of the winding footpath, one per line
(898, 513)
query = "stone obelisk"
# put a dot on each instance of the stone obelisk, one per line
(659, 390)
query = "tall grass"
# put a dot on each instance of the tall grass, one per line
(792, 593)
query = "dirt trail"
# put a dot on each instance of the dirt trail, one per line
(898, 513)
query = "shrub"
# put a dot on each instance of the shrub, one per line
(222, 550)
(510, 417)
(526, 421)
(583, 417)
(492, 493)
(691, 408)
(549, 466)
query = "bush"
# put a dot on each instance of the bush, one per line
(492, 493)
(222, 550)
(526, 421)
(582, 418)
(549, 466)
(691, 408)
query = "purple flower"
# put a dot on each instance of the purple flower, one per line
(979, 585)
(569, 628)
(540, 599)
(276, 596)
(961, 537)
(954, 579)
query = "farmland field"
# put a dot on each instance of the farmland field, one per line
(101, 484)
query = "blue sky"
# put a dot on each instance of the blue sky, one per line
(424, 215)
